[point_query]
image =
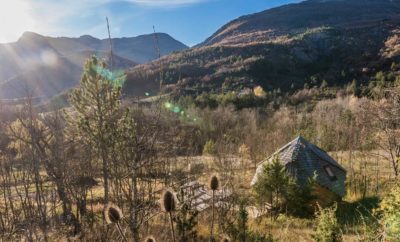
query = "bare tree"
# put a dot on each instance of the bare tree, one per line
(386, 117)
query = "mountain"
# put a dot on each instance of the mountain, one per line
(46, 66)
(272, 24)
(139, 49)
(285, 48)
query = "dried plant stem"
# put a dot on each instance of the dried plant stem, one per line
(212, 220)
(121, 232)
(172, 226)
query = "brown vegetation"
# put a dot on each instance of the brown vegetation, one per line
(58, 169)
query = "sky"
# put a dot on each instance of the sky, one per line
(189, 21)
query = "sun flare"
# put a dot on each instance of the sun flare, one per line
(14, 19)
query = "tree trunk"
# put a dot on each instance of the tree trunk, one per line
(133, 223)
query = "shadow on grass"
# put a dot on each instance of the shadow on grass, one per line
(354, 213)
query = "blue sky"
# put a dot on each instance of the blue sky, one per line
(190, 21)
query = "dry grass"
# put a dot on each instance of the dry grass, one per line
(284, 228)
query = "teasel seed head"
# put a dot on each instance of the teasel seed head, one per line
(168, 201)
(225, 239)
(149, 239)
(112, 214)
(213, 183)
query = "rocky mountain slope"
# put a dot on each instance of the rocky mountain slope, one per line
(284, 48)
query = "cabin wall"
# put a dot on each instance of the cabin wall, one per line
(325, 197)
(338, 185)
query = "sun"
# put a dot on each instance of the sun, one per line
(14, 19)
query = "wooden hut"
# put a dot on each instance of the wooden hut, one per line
(302, 160)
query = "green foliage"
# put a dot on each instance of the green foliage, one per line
(327, 228)
(380, 78)
(243, 217)
(370, 229)
(390, 212)
(272, 183)
(96, 102)
(280, 189)
(359, 214)
(299, 198)
(209, 147)
(324, 84)
(240, 101)
(204, 100)
(240, 230)
(349, 213)
(352, 88)
(186, 220)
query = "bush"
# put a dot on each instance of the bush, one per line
(370, 229)
(241, 232)
(389, 210)
(209, 148)
(186, 219)
(259, 92)
(327, 228)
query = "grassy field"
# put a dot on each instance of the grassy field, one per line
(367, 178)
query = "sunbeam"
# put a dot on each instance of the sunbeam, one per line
(15, 18)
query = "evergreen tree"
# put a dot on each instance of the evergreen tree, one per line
(272, 184)
(96, 103)
(281, 190)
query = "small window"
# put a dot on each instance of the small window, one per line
(328, 170)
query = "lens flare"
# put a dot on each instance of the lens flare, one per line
(117, 77)
(167, 105)
(176, 109)
(49, 58)
(184, 116)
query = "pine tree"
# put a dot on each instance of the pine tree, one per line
(280, 189)
(96, 104)
(272, 184)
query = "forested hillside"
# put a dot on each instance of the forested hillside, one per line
(285, 48)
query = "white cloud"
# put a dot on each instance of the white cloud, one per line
(166, 3)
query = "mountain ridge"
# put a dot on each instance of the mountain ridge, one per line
(308, 14)
(46, 66)
(167, 44)
(285, 48)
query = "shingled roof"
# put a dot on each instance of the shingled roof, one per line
(302, 159)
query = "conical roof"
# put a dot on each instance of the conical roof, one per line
(302, 159)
